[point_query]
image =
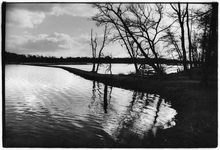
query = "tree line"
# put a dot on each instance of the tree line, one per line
(21, 58)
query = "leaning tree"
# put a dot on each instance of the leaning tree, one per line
(138, 26)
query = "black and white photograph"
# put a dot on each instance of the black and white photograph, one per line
(110, 74)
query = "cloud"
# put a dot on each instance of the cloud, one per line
(33, 7)
(58, 44)
(24, 18)
(26, 15)
(32, 15)
(82, 10)
(82, 39)
(28, 43)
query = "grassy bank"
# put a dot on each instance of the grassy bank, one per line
(123, 81)
(197, 115)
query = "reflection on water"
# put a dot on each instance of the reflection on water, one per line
(52, 107)
(145, 114)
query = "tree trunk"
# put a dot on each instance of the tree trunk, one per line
(93, 41)
(183, 45)
(136, 68)
(93, 67)
(181, 22)
(190, 43)
(212, 43)
(204, 43)
(97, 67)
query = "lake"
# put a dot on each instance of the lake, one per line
(50, 107)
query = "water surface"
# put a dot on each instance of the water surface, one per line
(50, 107)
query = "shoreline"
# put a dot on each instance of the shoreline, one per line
(121, 81)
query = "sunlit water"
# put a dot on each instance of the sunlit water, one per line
(50, 107)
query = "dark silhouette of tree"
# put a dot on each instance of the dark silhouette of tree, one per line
(211, 51)
(203, 19)
(171, 40)
(196, 56)
(113, 14)
(148, 28)
(181, 14)
(129, 44)
(109, 66)
(189, 40)
(204, 41)
(94, 47)
(135, 26)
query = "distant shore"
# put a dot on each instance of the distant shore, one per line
(46, 64)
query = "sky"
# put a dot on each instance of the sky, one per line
(54, 29)
(59, 29)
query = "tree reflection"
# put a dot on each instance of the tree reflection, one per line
(140, 118)
(146, 114)
(104, 97)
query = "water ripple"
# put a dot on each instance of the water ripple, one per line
(52, 106)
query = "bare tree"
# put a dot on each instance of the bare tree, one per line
(109, 66)
(189, 40)
(181, 14)
(114, 15)
(148, 26)
(211, 51)
(195, 54)
(134, 27)
(170, 40)
(94, 47)
(204, 41)
(144, 25)
(132, 50)
(203, 19)
(128, 43)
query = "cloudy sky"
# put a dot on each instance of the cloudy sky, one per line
(53, 29)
